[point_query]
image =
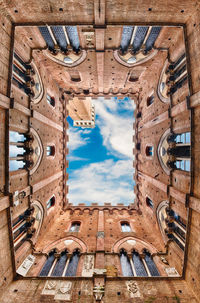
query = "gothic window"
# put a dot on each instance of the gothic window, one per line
(149, 151)
(150, 100)
(176, 228)
(50, 150)
(153, 271)
(22, 228)
(51, 100)
(51, 202)
(138, 265)
(125, 226)
(75, 227)
(149, 202)
(47, 268)
(73, 264)
(125, 264)
(179, 151)
(60, 265)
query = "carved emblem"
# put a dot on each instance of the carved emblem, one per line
(133, 289)
(98, 291)
(65, 287)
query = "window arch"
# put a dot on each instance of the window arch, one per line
(51, 202)
(125, 227)
(50, 150)
(60, 265)
(149, 151)
(50, 100)
(149, 203)
(150, 100)
(75, 227)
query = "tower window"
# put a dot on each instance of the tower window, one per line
(50, 149)
(51, 202)
(149, 202)
(51, 100)
(149, 151)
(75, 227)
(125, 226)
(150, 100)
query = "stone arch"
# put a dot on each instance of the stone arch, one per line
(161, 207)
(59, 58)
(137, 244)
(38, 150)
(38, 214)
(140, 58)
(70, 243)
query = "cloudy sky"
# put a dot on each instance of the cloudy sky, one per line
(101, 159)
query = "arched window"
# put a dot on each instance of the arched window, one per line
(152, 269)
(51, 100)
(22, 228)
(125, 264)
(51, 202)
(125, 226)
(176, 228)
(75, 227)
(179, 149)
(73, 264)
(139, 267)
(149, 151)
(47, 268)
(149, 202)
(50, 149)
(150, 100)
(60, 265)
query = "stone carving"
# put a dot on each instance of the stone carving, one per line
(61, 290)
(100, 234)
(50, 288)
(133, 289)
(64, 291)
(88, 266)
(171, 272)
(99, 271)
(26, 265)
(98, 292)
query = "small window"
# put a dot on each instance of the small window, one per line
(149, 202)
(50, 149)
(51, 100)
(51, 202)
(125, 226)
(150, 100)
(149, 151)
(75, 227)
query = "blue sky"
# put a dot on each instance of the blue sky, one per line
(101, 159)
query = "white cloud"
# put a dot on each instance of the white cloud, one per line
(75, 139)
(101, 182)
(116, 129)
